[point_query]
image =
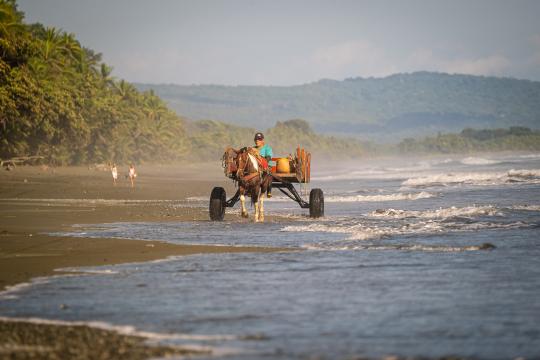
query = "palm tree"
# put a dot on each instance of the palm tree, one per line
(51, 44)
(125, 89)
(105, 73)
(153, 106)
(14, 41)
(70, 47)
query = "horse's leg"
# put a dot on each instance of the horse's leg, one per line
(255, 198)
(243, 212)
(264, 188)
(261, 207)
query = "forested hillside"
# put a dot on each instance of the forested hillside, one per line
(471, 140)
(382, 108)
(58, 100)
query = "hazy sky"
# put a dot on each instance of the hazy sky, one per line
(278, 42)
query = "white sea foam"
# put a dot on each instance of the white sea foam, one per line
(88, 271)
(530, 173)
(442, 220)
(478, 161)
(442, 213)
(374, 198)
(405, 247)
(377, 172)
(526, 207)
(530, 156)
(531, 176)
(197, 198)
(10, 292)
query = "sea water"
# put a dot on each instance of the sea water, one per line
(401, 264)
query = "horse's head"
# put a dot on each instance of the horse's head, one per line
(246, 163)
(241, 162)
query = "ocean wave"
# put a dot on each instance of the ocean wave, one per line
(404, 247)
(531, 176)
(526, 207)
(372, 198)
(348, 175)
(442, 213)
(197, 198)
(378, 172)
(82, 270)
(530, 156)
(11, 291)
(417, 223)
(478, 161)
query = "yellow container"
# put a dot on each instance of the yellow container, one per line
(283, 165)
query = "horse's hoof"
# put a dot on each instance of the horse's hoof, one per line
(261, 219)
(245, 215)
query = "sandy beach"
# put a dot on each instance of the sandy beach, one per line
(37, 201)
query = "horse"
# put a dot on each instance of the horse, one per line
(252, 180)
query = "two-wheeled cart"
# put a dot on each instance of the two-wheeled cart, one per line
(289, 170)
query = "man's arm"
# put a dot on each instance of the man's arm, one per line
(268, 154)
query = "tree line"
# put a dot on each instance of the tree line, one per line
(470, 140)
(58, 100)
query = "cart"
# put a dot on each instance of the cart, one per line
(299, 167)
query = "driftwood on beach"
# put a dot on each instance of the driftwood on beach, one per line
(20, 160)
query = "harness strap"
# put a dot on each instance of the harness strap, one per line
(249, 177)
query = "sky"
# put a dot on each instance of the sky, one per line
(291, 42)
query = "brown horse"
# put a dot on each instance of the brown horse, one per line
(252, 180)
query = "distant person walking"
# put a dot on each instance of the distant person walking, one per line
(114, 171)
(132, 174)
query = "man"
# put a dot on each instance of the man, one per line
(266, 152)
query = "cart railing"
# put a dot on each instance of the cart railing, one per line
(299, 165)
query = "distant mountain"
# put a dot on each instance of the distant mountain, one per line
(378, 108)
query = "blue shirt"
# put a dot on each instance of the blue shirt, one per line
(266, 151)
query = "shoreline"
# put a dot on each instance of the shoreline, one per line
(37, 201)
(44, 339)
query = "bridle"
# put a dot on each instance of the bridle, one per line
(244, 157)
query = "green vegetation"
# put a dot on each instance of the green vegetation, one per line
(209, 138)
(471, 140)
(59, 101)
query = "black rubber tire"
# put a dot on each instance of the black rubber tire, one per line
(218, 198)
(316, 203)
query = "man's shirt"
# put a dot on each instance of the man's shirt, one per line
(266, 151)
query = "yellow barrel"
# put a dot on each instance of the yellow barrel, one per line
(283, 166)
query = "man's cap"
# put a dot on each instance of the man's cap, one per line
(259, 136)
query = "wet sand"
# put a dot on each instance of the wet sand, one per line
(27, 340)
(35, 201)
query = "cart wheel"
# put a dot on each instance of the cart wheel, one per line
(217, 204)
(316, 203)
